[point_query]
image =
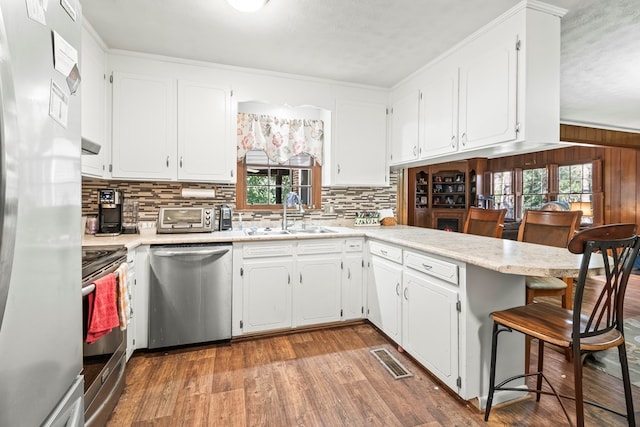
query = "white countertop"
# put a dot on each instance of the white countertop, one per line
(505, 256)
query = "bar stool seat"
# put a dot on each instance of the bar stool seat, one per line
(551, 283)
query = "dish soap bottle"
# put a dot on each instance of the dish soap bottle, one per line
(239, 220)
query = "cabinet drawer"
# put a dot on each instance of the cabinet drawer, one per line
(385, 251)
(353, 245)
(261, 250)
(321, 246)
(441, 269)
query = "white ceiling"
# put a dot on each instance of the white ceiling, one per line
(380, 42)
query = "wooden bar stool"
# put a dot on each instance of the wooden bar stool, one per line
(485, 222)
(582, 330)
(551, 228)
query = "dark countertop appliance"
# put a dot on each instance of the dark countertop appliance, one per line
(109, 212)
(186, 220)
(224, 218)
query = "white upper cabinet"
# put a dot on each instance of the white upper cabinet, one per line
(93, 104)
(440, 114)
(488, 93)
(359, 145)
(144, 127)
(405, 117)
(170, 129)
(205, 145)
(495, 93)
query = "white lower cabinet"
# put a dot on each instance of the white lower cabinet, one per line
(289, 284)
(430, 325)
(266, 294)
(353, 286)
(383, 296)
(317, 289)
(140, 328)
(131, 288)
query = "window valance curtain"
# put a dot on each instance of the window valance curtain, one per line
(280, 138)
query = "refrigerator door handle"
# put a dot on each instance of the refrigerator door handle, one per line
(8, 172)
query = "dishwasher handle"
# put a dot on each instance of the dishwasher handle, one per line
(187, 252)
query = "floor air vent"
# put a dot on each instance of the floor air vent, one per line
(391, 363)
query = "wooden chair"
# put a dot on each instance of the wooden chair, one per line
(552, 228)
(583, 330)
(485, 222)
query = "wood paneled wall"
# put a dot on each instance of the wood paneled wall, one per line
(621, 179)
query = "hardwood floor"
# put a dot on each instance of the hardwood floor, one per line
(329, 378)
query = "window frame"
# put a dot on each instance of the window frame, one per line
(241, 188)
(553, 183)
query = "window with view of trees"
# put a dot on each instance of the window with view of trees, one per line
(534, 188)
(503, 197)
(264, 183)
(575, 185)
(578, 185)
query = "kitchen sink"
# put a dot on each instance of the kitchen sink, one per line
(267, 231)
(312, 230)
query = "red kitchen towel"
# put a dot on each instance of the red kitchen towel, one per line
(103, 312)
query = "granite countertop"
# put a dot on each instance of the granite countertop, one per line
(505, 256)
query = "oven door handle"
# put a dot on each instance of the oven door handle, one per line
(200, 252)
(88, 289)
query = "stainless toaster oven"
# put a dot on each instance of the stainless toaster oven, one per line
(186, 220)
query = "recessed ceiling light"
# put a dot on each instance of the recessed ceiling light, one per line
(247, 5)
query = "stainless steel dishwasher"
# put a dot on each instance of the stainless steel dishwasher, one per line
(190, 294)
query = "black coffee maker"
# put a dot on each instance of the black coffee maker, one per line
(109, 212)
(224, 218)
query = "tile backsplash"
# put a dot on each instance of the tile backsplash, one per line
(346, 201)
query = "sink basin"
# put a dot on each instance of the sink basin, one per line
(279, 231)
(312, 230)
(265, 231)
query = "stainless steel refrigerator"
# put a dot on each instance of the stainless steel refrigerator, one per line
(40, 209)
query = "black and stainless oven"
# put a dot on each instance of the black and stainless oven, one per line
(103, 360)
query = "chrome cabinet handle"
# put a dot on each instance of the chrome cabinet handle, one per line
(181, 161)
(349, 273)
(453, 141)
(288, 278)
(464, 139)
(301, 278)
(414, 150)
(167, 161)
(405, 294)
(427, 266)
(398, 289)
(338, 168)
(383, 252)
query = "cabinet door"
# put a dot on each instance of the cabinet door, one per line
(383, 296)
(93, 107)
(205, 147)
(488, 85)
(316, 294)
(352, 287)
(267, 294)
(405, 116)
(360, 148)
(131, 288)
(440, 115)
(144, 127)
(430, 325)
(141, 299)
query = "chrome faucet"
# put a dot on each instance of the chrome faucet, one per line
(291, 200)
